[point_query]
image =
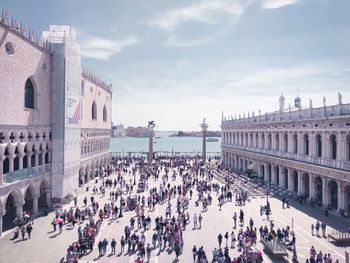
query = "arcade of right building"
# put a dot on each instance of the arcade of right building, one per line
(305, 151)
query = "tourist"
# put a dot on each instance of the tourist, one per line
(220, 239)
(233, 239)
(195, 221)
(323, 228)
(317, 228)
(113, 244)
(194, 253)
(200, 218)
(23, 231)
(29, 230)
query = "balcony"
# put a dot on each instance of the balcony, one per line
(26, 173)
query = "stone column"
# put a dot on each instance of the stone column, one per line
(311, 186)
(35, 204)
(273, 175)
(341, 203)
(259, 140)
(266, 140)
(150, 142)
(2, 159)
(301, 143)
(19, 209)
(204, 127)
(290, 180)
(29, 159)
(301, 186)
(281, 175)
(11, 160)
(324, 191)
(312, 144)
(36, 159)
(2, 213)
(20, 161)
(43, 157)
(281, 145)
(290, 142)
(341, 147)
(266, 175)
(48, 197)
(326, 153)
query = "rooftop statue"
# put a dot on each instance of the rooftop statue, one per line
(340, 97)
(324, 101)
(310, 105)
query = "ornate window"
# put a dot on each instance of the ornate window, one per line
(347, 147)
(306, 144)
(94, 111)
(333, 148)
(29, 95)
(104, 113)
(318, 145)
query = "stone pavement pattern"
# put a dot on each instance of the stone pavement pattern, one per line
(46, 246)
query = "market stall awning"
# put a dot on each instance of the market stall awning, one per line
(253, 166)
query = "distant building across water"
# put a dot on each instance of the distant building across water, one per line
(118, 130)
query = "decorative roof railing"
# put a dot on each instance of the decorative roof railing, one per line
(8, 21)
(93, 78)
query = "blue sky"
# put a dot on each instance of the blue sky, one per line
(176, 62)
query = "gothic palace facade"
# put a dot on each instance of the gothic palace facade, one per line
(302, 151)
(55, 120)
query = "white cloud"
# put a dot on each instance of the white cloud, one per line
(204, 11)
(273, 4)
(103, 48)
(218, 15)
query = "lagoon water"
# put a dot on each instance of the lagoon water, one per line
(163, 144)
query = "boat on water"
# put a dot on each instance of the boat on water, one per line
(158, 137)
(212, 140)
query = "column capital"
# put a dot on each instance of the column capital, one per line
(35, 196)
(3, 212)
(2, 158)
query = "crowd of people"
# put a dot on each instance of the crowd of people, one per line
(158, 197)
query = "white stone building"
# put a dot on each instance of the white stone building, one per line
(54, 120)
(118, 130)
(304, 151)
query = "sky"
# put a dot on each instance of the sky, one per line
(177, 62)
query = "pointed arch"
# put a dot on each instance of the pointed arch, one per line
(104, 113)
(94, 110)
(29, 94)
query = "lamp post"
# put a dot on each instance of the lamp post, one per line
(268, 209)
(204, 127)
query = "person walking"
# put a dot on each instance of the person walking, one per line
(194, 253)
(122, 244)
(220, 239)
(323, 228)
(233, 239)
(235, 220)
(23, 231)
(29, 230)
(200, 218)
(148, 252)
(113, 244)
(312, 229)
(226, 237)
(195, 221)
(317, 228)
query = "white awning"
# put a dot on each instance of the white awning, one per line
(253, 166)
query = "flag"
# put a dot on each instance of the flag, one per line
(77, 113)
